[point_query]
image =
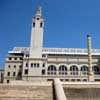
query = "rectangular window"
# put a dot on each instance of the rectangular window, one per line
(8, 73)
(20, 66)
(14, 66)
(9, 66)
(27, 55)
(43, 65)
(34, 65)
(31, 64)
(43, 72)
(14, 73)
(8, 81)
(38, 65)
(41, 24)
(21, 58)
(33, 24)
(26, 64)
(26, 71)
(10, 58)
(15, 58)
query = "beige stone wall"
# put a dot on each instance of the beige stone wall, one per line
(26, 92)
(57, 61)
(82, 91)
(17, 63)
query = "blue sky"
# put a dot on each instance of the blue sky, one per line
(66, 25)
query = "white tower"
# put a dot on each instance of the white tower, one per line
(37, 35)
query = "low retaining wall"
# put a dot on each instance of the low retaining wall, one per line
(82, 91)
(26, 92)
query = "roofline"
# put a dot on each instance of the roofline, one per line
(69, 51)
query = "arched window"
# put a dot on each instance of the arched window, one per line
(14, 66)
(84, 70)
(51, 70)
(14, 73)
(33, 24)
(84, 80)
(62, 70)
(9, 66)
(8, 74)
(74, 70)
(96, 70)
(41, 24)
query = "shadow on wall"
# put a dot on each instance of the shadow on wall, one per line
(2, 77)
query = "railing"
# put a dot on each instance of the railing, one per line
(69, 51)
(20, 50)
(57, 50)
(70, 74)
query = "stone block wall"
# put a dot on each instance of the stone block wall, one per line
(28, 92)
(82, 91)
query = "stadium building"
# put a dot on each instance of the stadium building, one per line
(38, 63)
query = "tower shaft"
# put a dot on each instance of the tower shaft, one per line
(90, 71)
(37, 35)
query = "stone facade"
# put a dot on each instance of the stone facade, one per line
(13, 67)
(36, 62)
